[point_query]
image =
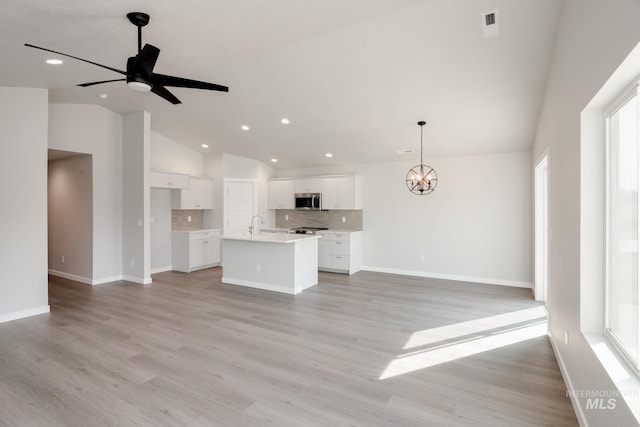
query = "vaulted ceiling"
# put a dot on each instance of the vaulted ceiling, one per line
(352, 76)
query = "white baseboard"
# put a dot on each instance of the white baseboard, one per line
(106, 280)
(489, 281)
(160, 270)
(263, 286)
(582, 420)
(24, 313)
(138, 280)
(85, 280)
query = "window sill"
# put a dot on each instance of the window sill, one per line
(625, 380)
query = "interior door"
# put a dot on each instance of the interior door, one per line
(239, 206)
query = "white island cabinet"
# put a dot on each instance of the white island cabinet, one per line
(195, 250)
(286, 263)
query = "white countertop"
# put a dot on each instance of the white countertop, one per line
(270, 237)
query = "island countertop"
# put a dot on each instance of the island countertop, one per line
(271, 237)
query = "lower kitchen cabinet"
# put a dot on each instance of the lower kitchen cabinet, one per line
(195, 250)
(340, 252)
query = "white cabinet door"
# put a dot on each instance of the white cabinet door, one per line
(197, 253)
(341, 192)
(308, 185)
(199, 195)
(288, 194)
(281, 194)
(330, 192)
(324, 253)
(168, 180)
(204, 193)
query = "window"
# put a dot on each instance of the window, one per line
(621, 323)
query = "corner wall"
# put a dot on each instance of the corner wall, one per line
(23, 170)
(92, 129)
(593, 38)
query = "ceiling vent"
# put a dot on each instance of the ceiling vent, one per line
(490, 27)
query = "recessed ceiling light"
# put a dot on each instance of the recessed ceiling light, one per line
(103, 96)
(274, 160)
(205, 146)
(245, 127)
(285, 121)
(54, 61)
(328, 155)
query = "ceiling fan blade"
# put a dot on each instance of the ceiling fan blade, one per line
(75, 57)
(163, 92)
(165, 80)
(98, 83)
(146, 60)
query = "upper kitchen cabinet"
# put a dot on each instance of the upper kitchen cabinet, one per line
(308, 185)
(281, 194)
(342, 192)
(168, 180)
(199, 195)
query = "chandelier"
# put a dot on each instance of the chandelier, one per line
(421, 179)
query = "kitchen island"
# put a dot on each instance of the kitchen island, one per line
(277, 262)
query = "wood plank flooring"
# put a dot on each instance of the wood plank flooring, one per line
(188, 350)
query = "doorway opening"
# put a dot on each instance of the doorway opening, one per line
(70, 215)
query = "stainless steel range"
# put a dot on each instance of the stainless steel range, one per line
(306, 230)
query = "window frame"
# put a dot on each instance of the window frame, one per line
(625, 96)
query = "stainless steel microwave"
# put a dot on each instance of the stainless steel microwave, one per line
(308, 201)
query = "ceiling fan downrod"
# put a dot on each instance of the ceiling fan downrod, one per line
(139, 19)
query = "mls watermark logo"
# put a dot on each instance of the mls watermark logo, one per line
(601, 400)
(600, 403)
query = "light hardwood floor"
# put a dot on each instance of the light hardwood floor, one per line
(367, 350)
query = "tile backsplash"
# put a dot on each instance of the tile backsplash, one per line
(180, 219)
(331, 219)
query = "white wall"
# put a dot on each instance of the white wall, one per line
(70, 218)
(23, 170)
(170, 156)
(476, 225)
(593, 39)
(92, 129)
(136, 253)
(160, 233)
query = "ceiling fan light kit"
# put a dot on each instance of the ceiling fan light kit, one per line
(421, 179)
(139, 74)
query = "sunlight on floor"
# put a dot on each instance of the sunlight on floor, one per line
(435, 346)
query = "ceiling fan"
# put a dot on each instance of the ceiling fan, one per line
(139, 74)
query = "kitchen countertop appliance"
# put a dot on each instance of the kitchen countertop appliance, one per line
(306, 230)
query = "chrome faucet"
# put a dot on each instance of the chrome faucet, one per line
(251, 228)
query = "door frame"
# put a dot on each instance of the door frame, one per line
(542, 228)
(228, 181)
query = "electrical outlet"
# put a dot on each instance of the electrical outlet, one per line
(133, 262)
(258, 268)
(344, 219)
(188, 218)
(286, 217)
(422, 259)
(566, 337)
(62, 259)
